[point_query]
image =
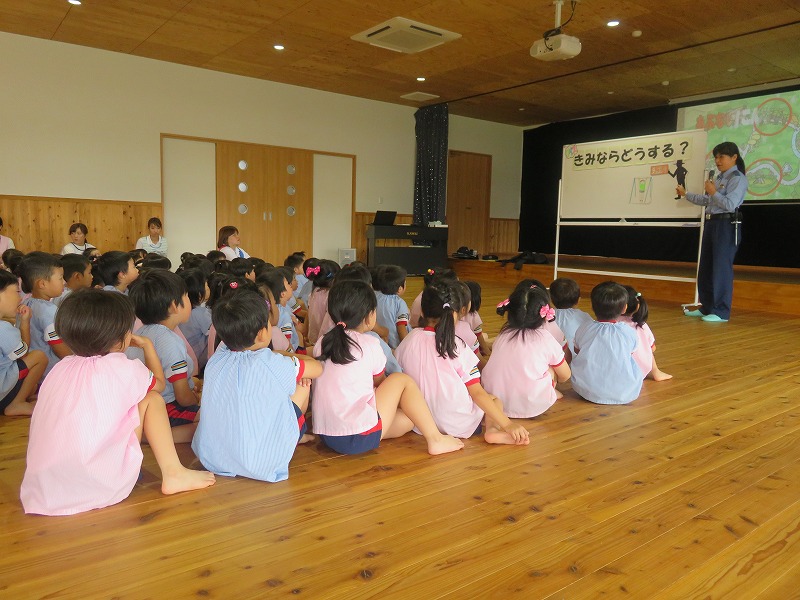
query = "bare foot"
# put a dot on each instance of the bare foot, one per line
(444, 444)
(183, 480)
(19, 409)
(501, 437)
(659, 375)
(559, 395)
(307, 437)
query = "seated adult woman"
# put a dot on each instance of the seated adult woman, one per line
(153, 243)
(228, 243)
(78, 245)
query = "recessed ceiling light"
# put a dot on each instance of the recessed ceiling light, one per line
(665, 82)
(75, 2)
(420, 79)
(520, 109)
(612, 23)
(732, 70)
(636, 33)
(278, 46)
(610, 93)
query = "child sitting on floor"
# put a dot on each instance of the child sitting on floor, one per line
(565, 294)
(84, 450)
(447, 373)
(254, 400)
(603, 370)
(20, 370)
(636, 317)
(526, 361)
(355, 405)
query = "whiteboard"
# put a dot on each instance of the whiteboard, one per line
(633, 178)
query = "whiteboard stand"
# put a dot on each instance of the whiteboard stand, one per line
(625, 223)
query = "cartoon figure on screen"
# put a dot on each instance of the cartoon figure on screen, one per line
(679, 175)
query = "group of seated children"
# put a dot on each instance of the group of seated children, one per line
(132, 361)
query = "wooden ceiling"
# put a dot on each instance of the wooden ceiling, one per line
(488, 73)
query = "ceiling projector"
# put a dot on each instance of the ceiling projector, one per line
(556, 47)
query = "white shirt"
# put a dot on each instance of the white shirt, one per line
(146, 244)
(72, 248)
(230, 253)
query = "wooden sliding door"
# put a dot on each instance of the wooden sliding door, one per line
(267, 193)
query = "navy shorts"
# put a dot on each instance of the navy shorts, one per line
(301, 421)
(181, 415)
(356, 443)
(23, 373)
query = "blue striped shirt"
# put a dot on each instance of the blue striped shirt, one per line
(248, 425)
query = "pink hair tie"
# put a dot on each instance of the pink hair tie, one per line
(312, 271)
(547, 312)
(446, 305)
(503, 304)
(234, 285)
(342, 323)
(533, 287)
(431, 271)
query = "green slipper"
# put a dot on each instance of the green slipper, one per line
(712, 318)
(693, 313)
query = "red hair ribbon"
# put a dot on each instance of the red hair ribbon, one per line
(312, 271)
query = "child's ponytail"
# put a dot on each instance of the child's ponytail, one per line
(349, 305)
(441, 302)
(637, 306)
(528, 309)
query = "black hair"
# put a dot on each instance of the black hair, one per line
(91, 321)
(215, 255)
(730, 149)
(156, 261)
(294, 260)
(637, 306)
(565, 292)
(137, 254)
(221, 284)
(154, 221)
(390, 279)
(35, 266)
(608, 300)
(238, 317)
(327, 271)
(11, 259)
(239, 267)
(439, 302)
(275, 281)
(349, 304)
(195, 281)
(1, 221)
(74, 263)
(524, 310)
(7, 278)
(154, 292)
(353, 272)
(111, 264)
(464, 296)
(79, 226)
(89, 253)
(309, 263)
(439, 274)
(474, 296)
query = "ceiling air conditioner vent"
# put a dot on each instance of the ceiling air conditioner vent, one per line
(419, 97)
(405, 35)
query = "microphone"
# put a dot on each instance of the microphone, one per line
(711, 174)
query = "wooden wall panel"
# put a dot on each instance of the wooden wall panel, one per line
(503, 236)
(43, 223)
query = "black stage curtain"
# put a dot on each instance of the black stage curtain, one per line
(769, 232)
(430, 185)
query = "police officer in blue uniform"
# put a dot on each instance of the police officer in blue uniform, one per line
(721, 234)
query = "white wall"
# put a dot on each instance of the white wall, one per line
(85, 123)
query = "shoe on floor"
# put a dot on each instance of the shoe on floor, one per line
(712, 318)
(693, 313)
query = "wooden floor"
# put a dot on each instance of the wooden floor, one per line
(693, 491)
